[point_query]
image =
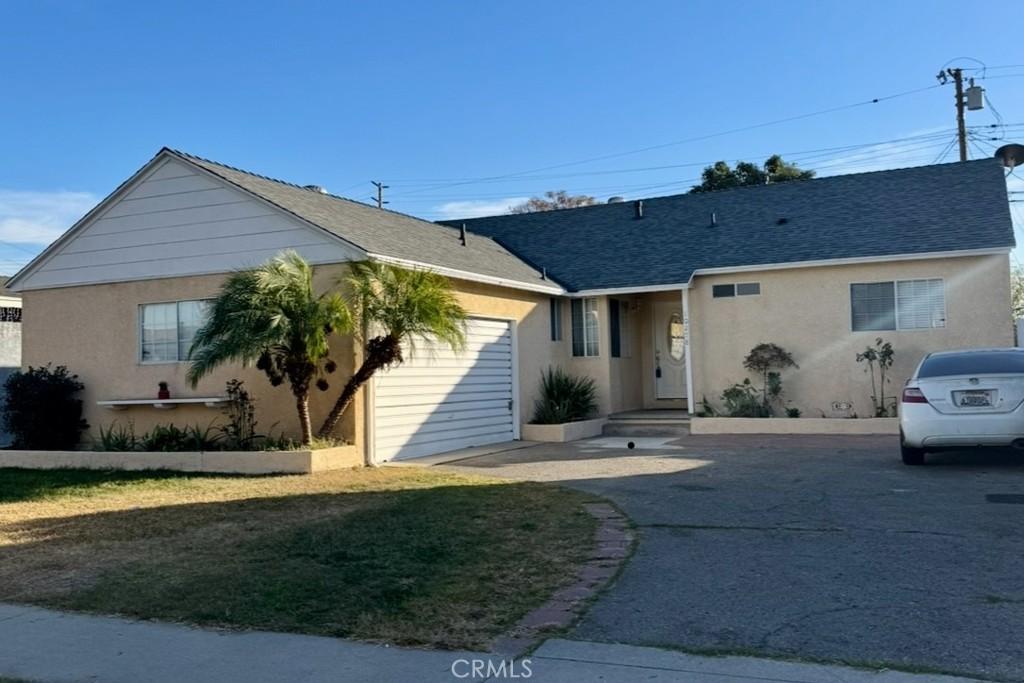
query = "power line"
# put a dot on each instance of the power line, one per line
(698, 138)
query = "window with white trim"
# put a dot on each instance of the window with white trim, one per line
(584, 327)
(898, 305)
(166, 330)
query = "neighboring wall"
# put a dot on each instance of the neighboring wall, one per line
(807, 312)
(94, 331)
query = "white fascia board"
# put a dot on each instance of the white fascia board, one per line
(788, 265)
(612, 291)
(472, 277)
(851, 261)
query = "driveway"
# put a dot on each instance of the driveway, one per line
(814, 547)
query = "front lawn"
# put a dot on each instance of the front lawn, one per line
(402, 555)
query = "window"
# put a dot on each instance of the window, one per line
(619, 328)
(898, 305)
(739, 289)
(166, 330)
(584, 327)
(973, 363)
(556, 319)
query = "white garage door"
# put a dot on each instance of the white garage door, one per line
(439, 400)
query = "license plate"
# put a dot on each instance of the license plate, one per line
(974, 399)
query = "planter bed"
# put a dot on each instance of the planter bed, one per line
(791, 425)
(226, 462)
(560, 433)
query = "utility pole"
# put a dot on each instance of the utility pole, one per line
(380, 193)
(961, 128)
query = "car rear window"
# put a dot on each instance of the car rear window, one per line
(987, 363)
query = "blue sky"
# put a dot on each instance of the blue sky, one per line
(458, 105)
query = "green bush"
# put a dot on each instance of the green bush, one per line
(744, 400)
(42, 410)
(117, 438)
(564, 398)
(164, 438)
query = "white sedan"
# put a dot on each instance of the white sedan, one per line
(963, 399)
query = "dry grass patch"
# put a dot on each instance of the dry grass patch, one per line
(401, 555)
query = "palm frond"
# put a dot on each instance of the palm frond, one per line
(406, 303)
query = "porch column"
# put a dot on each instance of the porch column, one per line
(686, 350)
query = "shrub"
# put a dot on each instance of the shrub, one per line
(42, 410)
(240, 431)
(767, 360)
(744, 400)
(564, 398)
(118, 438)
(171, 438)
(881, 356)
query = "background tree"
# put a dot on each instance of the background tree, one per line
(1017, 293)
(398, 305)
(553, 199)
(272, 316)
(721, 176)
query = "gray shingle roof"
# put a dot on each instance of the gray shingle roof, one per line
(378, 231)
(948, 207)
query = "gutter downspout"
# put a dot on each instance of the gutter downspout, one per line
(686, 350)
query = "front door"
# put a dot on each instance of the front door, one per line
(669, 350)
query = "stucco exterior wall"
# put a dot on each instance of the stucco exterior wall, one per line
(93, 329)
(807, 312)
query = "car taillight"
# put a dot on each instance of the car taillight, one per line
(912, 395)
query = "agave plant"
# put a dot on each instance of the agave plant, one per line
(564, 398)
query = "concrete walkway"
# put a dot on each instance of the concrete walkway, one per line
(42, 645)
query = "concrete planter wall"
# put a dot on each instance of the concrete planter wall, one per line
(787, 425)
(225, 462)
(560, 433)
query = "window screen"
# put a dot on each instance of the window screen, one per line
(166, 330)
(873, 306)
(584, 327)
(920, 304)
(748, 289)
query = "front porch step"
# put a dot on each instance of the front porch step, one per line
(648, 423)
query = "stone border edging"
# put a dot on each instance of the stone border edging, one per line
(788, 425)
(614, 540)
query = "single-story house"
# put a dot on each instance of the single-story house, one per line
(657, 300)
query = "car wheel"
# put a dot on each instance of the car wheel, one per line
(912, 456)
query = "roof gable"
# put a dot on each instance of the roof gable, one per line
(913, 211)
(170, 219)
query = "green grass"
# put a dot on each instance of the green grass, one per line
(407, 556)
(18, 485)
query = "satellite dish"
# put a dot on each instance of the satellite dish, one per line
(1011, 155)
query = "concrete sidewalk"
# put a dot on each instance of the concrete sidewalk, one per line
(42, 645)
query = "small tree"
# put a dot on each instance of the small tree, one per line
(42, 410)
(879, 356)
(767, 360)
(399, 305)
(272, 316)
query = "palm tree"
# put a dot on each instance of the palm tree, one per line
(271, 315)
(401, 305)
